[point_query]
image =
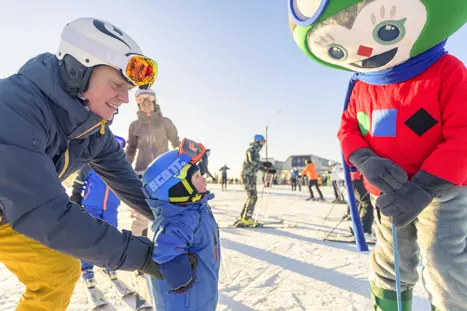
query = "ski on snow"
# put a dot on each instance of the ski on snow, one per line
(129, 295)
(344, 238)
(261, 225)
(347, 238)
(95, 297)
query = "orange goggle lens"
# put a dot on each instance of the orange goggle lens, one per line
(192, 149)
(141, 70)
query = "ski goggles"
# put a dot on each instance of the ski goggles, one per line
(136, 69)
(306, 12)
(192, 149)
(139, 70)
(145, 98)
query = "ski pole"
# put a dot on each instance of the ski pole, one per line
(396, 266)
(267, 198)
(257, 208)
(333, 229)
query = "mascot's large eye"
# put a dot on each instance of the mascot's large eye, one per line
(389, 32)
(337, 52)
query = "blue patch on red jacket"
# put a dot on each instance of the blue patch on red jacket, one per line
(383, 123)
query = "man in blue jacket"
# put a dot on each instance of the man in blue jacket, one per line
(54, 117)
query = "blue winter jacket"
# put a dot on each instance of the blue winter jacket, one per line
(294, 174)
(96, 193)
(45, 135)
(178, 230)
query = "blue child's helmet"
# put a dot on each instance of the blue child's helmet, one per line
(259, 137)
(166, 177)
(121, 141)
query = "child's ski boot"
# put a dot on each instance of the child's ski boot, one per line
(111, 273)
(88, 278)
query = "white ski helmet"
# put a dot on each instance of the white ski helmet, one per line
(94, 42)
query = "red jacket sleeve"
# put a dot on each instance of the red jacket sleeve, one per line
(349, 133)
(449, 160)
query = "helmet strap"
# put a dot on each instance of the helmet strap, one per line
(74, 76)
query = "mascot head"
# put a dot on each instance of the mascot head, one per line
(372, 35)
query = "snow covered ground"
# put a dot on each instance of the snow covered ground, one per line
(266, 269)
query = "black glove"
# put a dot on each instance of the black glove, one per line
(151, 267)
(380, 172)
(77, 198)
(273, 171)
(406, 203)
(267, 164)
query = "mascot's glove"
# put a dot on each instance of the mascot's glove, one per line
(406, 203)
(273, 171)
(380, 172)
(180, 272)
(267, 164)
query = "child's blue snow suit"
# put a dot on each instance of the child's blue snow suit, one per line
(98, 199)
(179, 230)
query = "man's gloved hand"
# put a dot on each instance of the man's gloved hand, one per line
(267, 164)
(380, 172)
(151, 267)
(77, 198)
(406, 203)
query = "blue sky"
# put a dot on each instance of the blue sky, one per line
(226, 67)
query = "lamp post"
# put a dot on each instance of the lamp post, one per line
(267, 126)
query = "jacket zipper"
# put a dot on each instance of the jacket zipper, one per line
(67, 153)
(216, 255)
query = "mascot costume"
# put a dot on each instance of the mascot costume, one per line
(404, 127)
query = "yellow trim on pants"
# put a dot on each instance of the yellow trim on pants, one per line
(49, 276)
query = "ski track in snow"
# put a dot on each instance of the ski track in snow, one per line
(274, 269)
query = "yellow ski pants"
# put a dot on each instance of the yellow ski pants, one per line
(49, 276)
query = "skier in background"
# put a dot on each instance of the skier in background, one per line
(310, 172)
(335, 178)
(100, 202)
(204, 163)
(294, 175)
(149, 135)
(251, 165)
(223, 171)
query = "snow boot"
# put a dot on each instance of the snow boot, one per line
(88, 278)
(246, 222)
(111, 273)
(386, 300)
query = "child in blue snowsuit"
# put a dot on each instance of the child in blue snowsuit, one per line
(186, 241)
(99, 201)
